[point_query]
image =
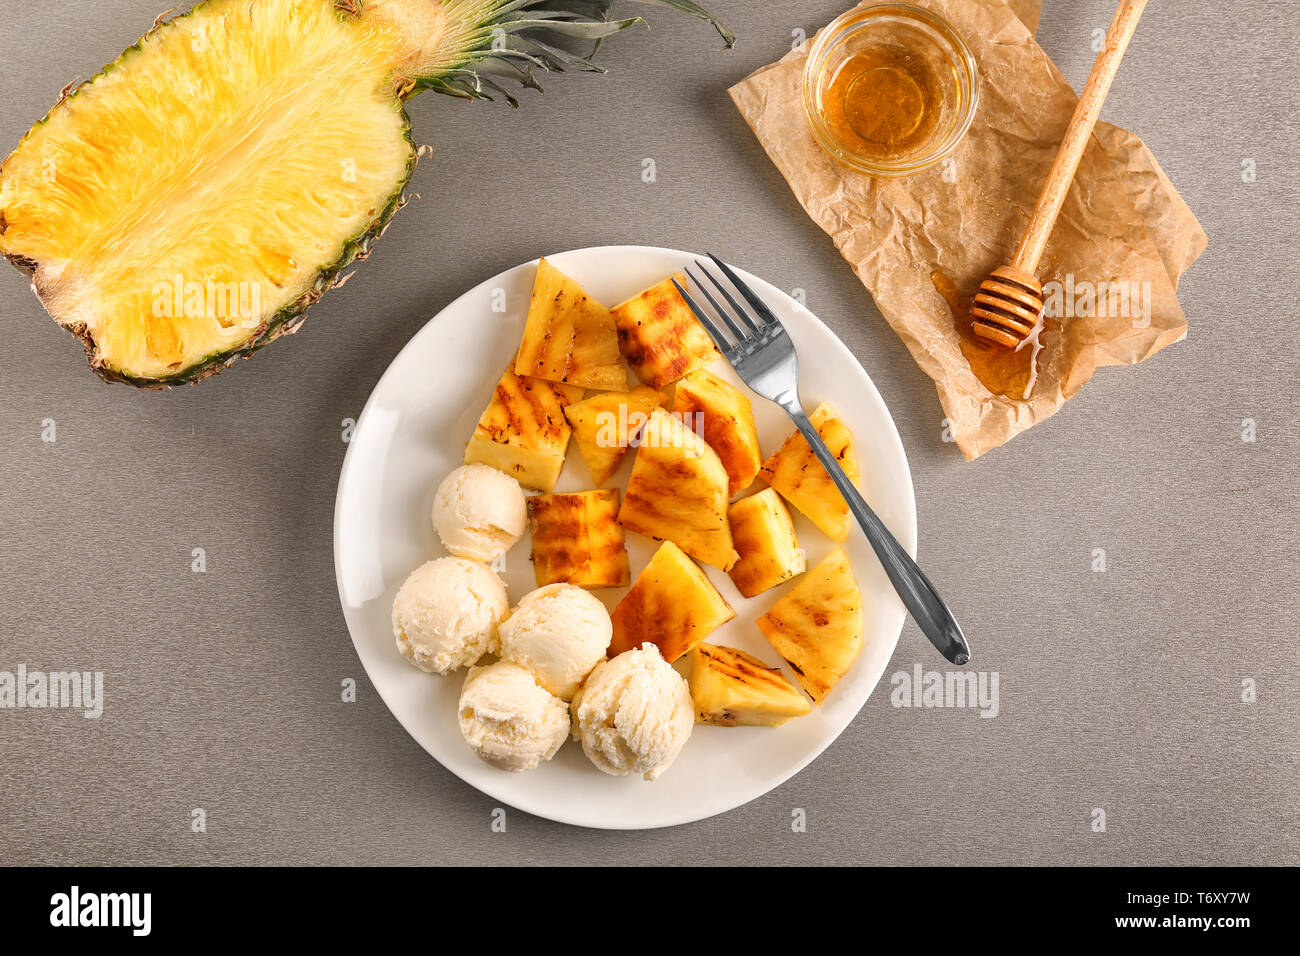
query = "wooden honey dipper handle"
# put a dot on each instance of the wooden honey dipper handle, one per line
(1077, 135)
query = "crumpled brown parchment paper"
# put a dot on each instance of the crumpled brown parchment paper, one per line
(1123, 222)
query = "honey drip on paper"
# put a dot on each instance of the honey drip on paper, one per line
(883, 102)
(1011, 373)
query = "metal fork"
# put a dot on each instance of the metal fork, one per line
(764, 357)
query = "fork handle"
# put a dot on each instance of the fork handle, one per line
(918, 594)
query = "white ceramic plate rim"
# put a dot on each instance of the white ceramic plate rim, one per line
(906, 531)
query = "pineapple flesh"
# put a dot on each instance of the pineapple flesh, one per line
(190, 202)
(734, 689)
(817, 627)
(523, 431)
(796, 473)
(569, 337)
(660, 336)
(678, 492)
(604, 424)
(764, 537)
(728, 424)
(187, 204)
(673, 605)
(577, 540)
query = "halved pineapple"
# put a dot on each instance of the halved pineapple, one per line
(577, 539)
(764, 537)
(817, 627)
(673, 605)
(569, 337)
(678, 492)
(799, 476)
(660, 336)
(735, 689)
(187, 204)
(728, 424)
(522, 431)
(605, 423)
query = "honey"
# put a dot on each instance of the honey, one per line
(1011, 373)
(889, 89)
(884, 102)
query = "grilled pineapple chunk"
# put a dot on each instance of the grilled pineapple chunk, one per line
(799, 476)
(605, 423)
(735, 689)
(577, 539)
(817, 627)
(678, 492)
(764, 537)
(522, 431)
(673, 605)
(569, 337)
(659, 335)
(728, 424)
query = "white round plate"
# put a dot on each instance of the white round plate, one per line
(413, 432)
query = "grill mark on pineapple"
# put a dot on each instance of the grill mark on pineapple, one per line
(659, 336)
(673, 604)
(577, 539)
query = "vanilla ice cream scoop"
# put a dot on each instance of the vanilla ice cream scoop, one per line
(559, 633)
(508, 719)
(446, 613)
(479, 513)
(634, 714)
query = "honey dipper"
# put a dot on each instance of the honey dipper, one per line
(1010, 301)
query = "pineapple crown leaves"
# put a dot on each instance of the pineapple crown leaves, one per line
(507, 34)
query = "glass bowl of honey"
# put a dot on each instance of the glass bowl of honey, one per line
(890, 89)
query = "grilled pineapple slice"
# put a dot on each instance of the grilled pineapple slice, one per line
(522, 431)
(673, 605)
(735, 689)
(577, 540)
(678, 492)
(764, 537)
(728, 424)
(660, 337)
(569, 337)
(605, 423)
(817, 627)
(799, 476)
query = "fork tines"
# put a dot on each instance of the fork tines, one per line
(746, 326)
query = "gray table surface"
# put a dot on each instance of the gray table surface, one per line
(1120, 691)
